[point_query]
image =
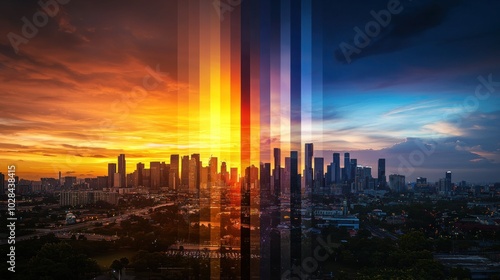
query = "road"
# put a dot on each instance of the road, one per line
(61, 231)
(381, 233)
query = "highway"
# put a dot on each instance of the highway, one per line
(69, 229)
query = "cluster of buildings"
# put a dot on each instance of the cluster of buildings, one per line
(186, 174)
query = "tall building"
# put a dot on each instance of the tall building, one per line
(354, 165)
(234, 175)
(173, 177)
(116, 180)
(69, 181)
(193, 186)
(346, 176)
(308, 171)
(397, 182)
(196, 157)
(111, 174)
(295, 210)
(336, 168)
(421, 181)
(447, 183)
(122, 166)
(381, 177)
(277, 174)
(140, 170)
(265, 183)
(155, 177)
(223, 172)
(212, 175)
(164, 171)
(204, 177)
(319, 175)
(185, 173)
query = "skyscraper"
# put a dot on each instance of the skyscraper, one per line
(164, 171)
(354, 165)
(140, 171)
(196, 157)
(308, 171)
(447, 183)
(185, 173)
(111, 174)
(381, 177)
(234, 175)
(212, 175)
(223, 172)
(277, 173)
(173, 176)
(397, 183)
(346, 176)
(319, 175)
(122, 170)
(295, 208)
(155, 177)
(336, 168)
(193, 186)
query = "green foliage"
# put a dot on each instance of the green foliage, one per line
(414, 241)
(60, 261)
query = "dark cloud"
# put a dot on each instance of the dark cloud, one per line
(403, 27)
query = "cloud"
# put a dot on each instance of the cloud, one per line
(403, 28)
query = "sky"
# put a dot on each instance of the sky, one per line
(99, 78)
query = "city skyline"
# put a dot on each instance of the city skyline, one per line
(377, 171)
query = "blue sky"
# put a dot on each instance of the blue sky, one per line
(415, 83)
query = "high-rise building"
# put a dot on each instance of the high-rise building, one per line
(308, 171)
(223, 172)
(447, 183)
(193, 186)
(173, 177)
(277, 174)
(397, 182)
(111, 174)
(381, 177)
(234, 175)
(319, 175)
(116, 180)
(295, 209)
(155, 177)
(212, 175)
(140, 168)
(346, 176)
(164, 171)
(69, 181)
(336, 168)
(354, 165)
(198, 169)
(204, 176)
(265, 183)
(421, 181)
(122, 170)
(185, 173)
(329, 174)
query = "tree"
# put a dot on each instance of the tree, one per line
(60, 261)
(414, 241)
(119, 265)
